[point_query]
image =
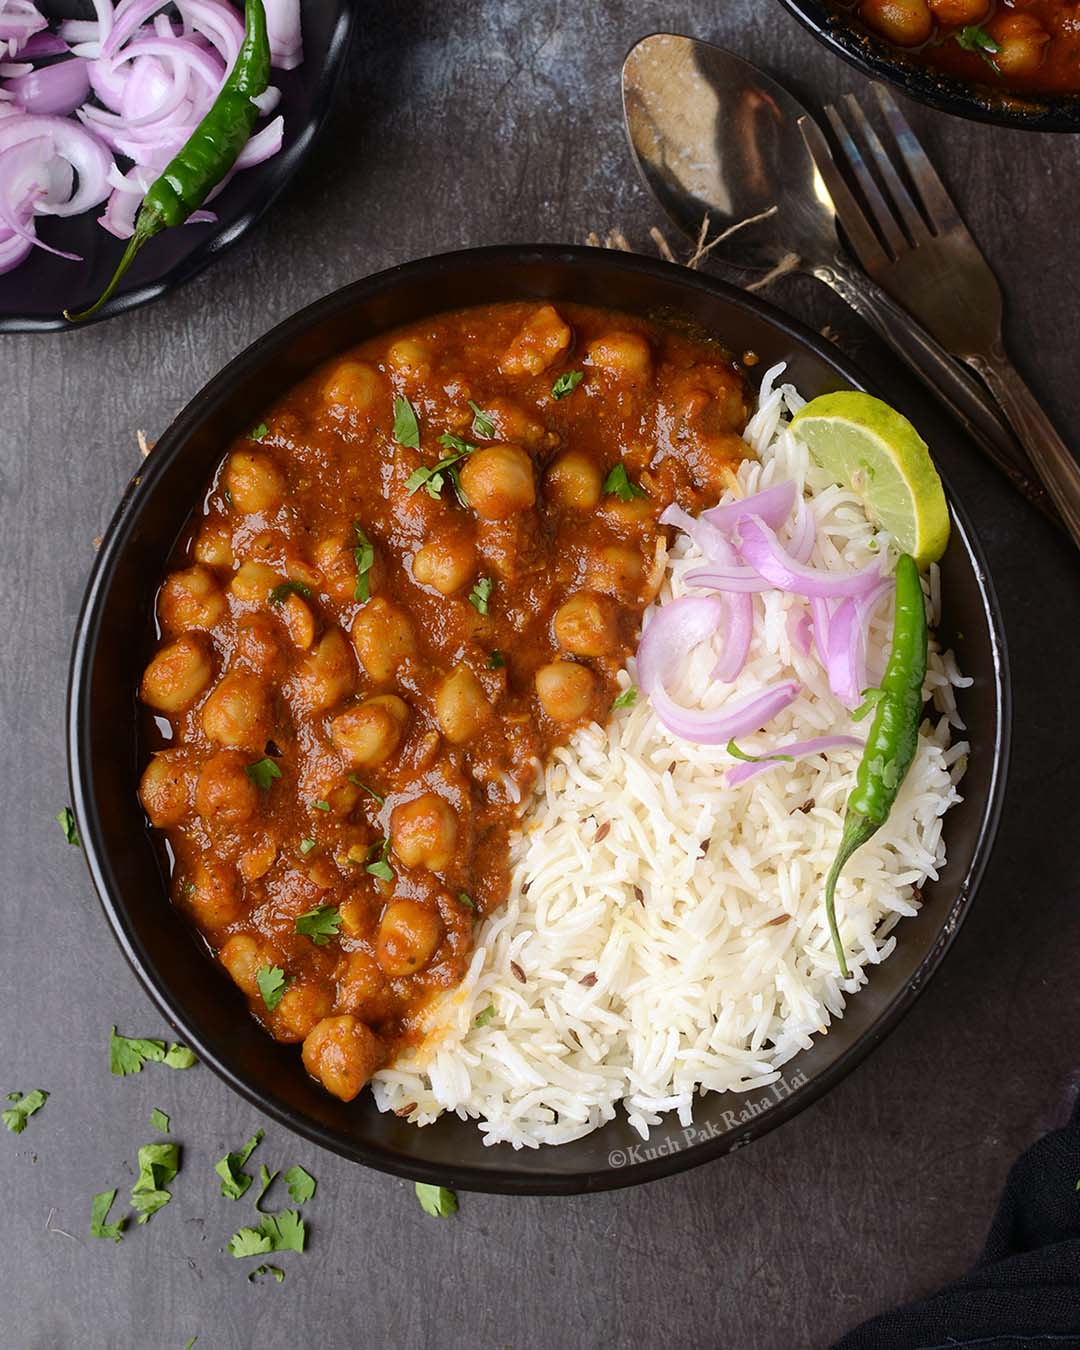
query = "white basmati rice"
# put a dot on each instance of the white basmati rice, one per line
(686, 950)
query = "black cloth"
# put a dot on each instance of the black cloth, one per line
(1024, 1291)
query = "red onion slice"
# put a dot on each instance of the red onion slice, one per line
(57, 89)
(24, 181)
(773, 505)
(800, 630)
(846, 666)
(283, 29)
(795, 750)
(672, 633)
(764, 552)
(720, 725)
(738, 626)
(736, 579)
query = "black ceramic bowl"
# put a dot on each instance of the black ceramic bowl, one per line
(105, 755)
(34, 295)
(982, 103)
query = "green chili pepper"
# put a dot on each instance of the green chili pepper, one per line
(894, 734)
(210, 152)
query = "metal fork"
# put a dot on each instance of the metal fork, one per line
(927, 260)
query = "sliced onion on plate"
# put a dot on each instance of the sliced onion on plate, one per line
(720, 725)
(793, 750)
(767, 556)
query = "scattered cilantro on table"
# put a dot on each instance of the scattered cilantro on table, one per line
(438, 1201)
(301, 1184)
(66, 820)
(282, 1232)
(159, 1120)
(158, 1165)
(16, 1116)
(234, 1180)
(99, 1212)
(127, 1054)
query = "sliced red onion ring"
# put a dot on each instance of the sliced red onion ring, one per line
(773, 506)
(43, 44)
(819, 609)
(125, 22)
(707, 537)
(800, 630)
(14, 249)
(720, 725)
(84, 152)
(283, 29)
(743, 579)
(764, 552)
(24, 181)
(672, 633)
(58, 89)
(794, 750)
(19, 21)
(738, 626)
(846, 666)
(803, 533)
(217, 22)
(263, 145)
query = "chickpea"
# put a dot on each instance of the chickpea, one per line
(565, 690)
(225, 795)
(1022, 40)
(214, 896)
(363, 989)
(342, 1053)
(328, 673)
(252, 582)
(190, 599)
(382, 634)
(337, 567)
(624, 355)
(461, 706)
(303, 1004)
(213, 547)
(243, 956)
(410, 357)
(165, 790)
(299, 621)
(447, 564)
(616, 571)
(177, 675)
(908, 23)
(959, 12)
(255, 482)
(409, 935)
(370, 733)
(424, 832)
(585, 625)
(237, 713)
(573, 481)
(352, 387)
(256, 862)
(499, 481)
(514, 423)
(257, 646)
(625, 517)
(540, 342)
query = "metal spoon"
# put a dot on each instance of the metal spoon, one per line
(713, 136)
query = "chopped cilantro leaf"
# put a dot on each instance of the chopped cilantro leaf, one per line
(734, 751)
(15, 1117)
(180, 1057)
(306, 845)
(871, 698)
(319, 924)
(973, 38)
(626, 699)
(234, 1180)
(466, 899)
(127, 1054)
(276, 1271)
(438, 1201)
(158, 1165)
(66, 821)
(622, 486)
(257, 433)
(190, 1342)
(567, 382)
(357, 781)
(263, 773)
(99, 1212)
(266, 1179)
(364, 554)
(321, 806)
(482, 1019)
(496, 661)
(482, 424)
(432, 478)
(160, 1121)
(480, 595)
(380, 868)
(287, 588)
(276, 1233)
(406, 427)
(301, 1184)
(271, 981)
(460, 446)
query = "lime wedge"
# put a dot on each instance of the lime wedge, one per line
(876, 452)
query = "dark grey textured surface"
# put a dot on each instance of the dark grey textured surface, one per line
(465, 124)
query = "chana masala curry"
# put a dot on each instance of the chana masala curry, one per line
(1019, 46)
(420, 573)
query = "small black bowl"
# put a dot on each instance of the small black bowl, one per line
(980, 103)
(34, 295)
(105, 754)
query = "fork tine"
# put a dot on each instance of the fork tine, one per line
(916, 226)
(939, 205)
(863, 240)
(879, 208)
